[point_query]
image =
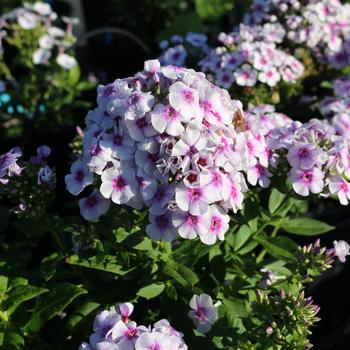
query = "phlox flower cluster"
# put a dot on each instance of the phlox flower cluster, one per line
(24, 185)
(53, 41)
(177, 49)
(244, 57)
(337, 107)
(314, 153)
(251, 55)
(170, 140)
(321, 25)
(113, 330)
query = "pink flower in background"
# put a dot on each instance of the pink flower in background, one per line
(303, 155)
(79, 178)
(93, 206)
(189, 226)
(245, 76)
(204, 313)
(339, 186)
(259, 174)
(341, 250)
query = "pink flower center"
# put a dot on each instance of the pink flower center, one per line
(215, 223)
(192, 220)
(344, 186)
(201, 313)
(192, 178)
(245, 75)
(170, 113)
(196, 194)
(307, 176)
(131, 333)
(303, 152)
(188, 96)
(119, 183)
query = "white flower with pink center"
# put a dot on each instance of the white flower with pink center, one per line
(79, 178)
(125, 310)
(303, 155)
(195, 200)
(185, 100)
(188, 226)
(125, 335)
(119, 184)
(271, 77)
(166, 118)
(153, 341)
(204, 313)
(339, 186)
(259, 174)
(341, 250)
(217, 223)
(245, 76)
(306, 181)
(93, 206)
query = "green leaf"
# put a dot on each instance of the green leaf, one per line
(251, 212)
(12, 341)
(3, 284)
(180, 273)
(81, 312)
(74, 75)
(242, 235)
(279, 247)
(211, 9)
(151, 291)
(275, 200)
(232, 309)
(106, 263)
(49, 265)
(57, 300)
(181, 25)
(306, 226)
(21, 293)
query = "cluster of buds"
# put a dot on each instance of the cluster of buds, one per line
(113, 330)
(38, 18)
(170, 140)
(26, 184)
(312, 260)
(285, 318)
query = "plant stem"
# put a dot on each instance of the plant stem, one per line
(263, 252)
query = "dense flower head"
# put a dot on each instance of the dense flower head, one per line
(316, 155)
(40, 17)
(323, 26)
(113, 330)
(251, 55)
(246, 56)
(170, 140)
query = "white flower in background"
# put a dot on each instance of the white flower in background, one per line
(42, 8)
(27, 20)
(41, 56)
(46, 42)
(341, 250)
(66, 61)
